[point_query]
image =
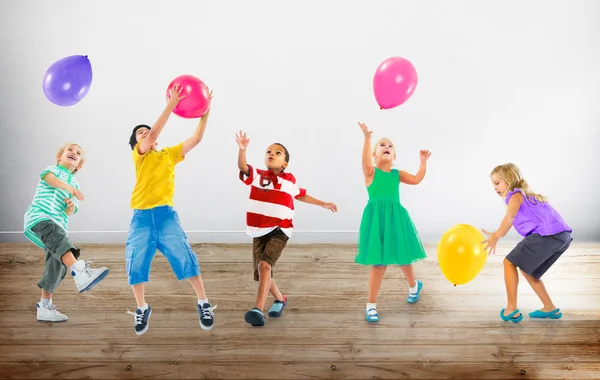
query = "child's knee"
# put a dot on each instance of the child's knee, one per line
(264, 266)
(379, 268)
(506, 263)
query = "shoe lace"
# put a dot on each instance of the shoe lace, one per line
(86, 269)
(137, 318)
(208, 312)
(51, 308)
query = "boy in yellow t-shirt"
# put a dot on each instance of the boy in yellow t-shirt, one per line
(155, 224)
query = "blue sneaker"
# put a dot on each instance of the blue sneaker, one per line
(255, 317)
(277, 308)
(371, 315)
(207, 316)
(140, 322)
(414, 297)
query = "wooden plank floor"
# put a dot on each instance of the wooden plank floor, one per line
(451, 333)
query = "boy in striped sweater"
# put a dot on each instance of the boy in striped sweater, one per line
(56, 198)
(269, 220)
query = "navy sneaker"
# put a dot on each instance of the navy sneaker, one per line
(207, 316)
(141, 318)
(255, 317)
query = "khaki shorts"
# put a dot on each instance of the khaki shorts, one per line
(57, 244)
(268, 248)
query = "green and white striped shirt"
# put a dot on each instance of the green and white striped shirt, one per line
(49, 203)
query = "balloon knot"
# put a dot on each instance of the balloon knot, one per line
(455, 285)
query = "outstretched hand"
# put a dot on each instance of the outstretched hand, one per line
(242, 140)
(365, 129)
(330, 206)
(175, 95)
(424, 154)
(490, 242)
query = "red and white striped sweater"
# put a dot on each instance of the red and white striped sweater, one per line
(271, 202)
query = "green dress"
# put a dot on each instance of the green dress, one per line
(387, 235)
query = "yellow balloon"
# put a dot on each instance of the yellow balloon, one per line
(461, 254)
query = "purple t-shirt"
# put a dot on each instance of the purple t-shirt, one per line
(537, 217)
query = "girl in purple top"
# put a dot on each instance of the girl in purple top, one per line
(546, 238)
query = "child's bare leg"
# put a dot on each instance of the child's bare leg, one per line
(274, 290)
(375, 282)
(539, 289)
(46, 295)
(409, 273)
(198, 286)
(511, 281)
(264, 284)
(138, 293)
(68, 259)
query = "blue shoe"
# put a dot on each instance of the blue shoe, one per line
(554, 314)
(141, 318)
(371, 315)
(207, 316)
(414, 297)
(511, 317)
(277, 309)
(255, 317)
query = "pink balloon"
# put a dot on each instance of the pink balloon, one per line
(394, 82)
(197, 99)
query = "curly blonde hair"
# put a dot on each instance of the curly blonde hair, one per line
(511, 174)
(62, 149)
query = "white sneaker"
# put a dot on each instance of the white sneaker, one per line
(48, 313)
(85, 277)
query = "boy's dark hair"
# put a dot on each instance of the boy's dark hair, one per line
(287, 154)
(132, 139)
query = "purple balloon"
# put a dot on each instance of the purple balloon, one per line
(68, 80)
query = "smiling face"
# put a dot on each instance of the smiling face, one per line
(70, 157)
(500, 185)
(384, 152)
(276, 158)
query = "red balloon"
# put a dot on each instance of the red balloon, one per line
(197, 100)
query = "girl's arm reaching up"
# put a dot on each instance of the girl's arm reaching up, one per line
(367, 153)
(411, 179)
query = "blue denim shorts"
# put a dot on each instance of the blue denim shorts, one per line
(158, 228)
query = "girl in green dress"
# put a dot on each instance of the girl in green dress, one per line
(387, 234)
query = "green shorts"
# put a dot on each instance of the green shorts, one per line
(57, 244)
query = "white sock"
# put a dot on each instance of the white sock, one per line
(202, 302)
(414, 289)
(371, 306)
(45, 301)
(144, 308)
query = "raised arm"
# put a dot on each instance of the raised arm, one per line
(53, 181)
(415, 179)
(193, 141)
(367, 152)
(175, 97)
(242, 142)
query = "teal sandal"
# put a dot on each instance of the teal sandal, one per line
(511, 317)
(554, 314)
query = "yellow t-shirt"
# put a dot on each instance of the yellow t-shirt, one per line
(155, 177)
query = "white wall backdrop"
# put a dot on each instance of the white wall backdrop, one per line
(513, 81)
